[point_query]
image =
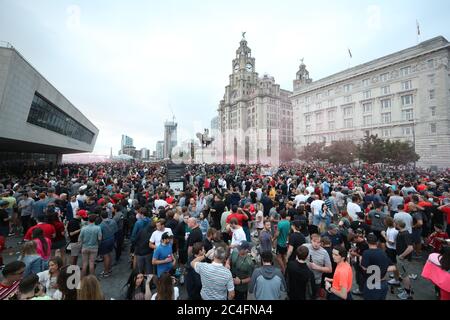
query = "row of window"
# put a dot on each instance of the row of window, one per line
(46, 115)
(348, 124)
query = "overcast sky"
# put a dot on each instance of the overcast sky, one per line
(127, 64)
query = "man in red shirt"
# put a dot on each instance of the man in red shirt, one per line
(237, 213)
(48, 229)
(446, 209)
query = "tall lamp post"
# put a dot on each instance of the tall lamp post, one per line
(414, 139)
(205, 140)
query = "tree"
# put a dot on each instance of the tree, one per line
(371, 149)
(399, 152)
(287, 154)
(313, 151)
(341, 152)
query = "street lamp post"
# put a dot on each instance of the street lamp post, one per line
(414, 139)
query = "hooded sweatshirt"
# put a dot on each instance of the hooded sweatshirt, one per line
(267, 283)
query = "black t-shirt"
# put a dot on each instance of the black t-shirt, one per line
(403, 241)
(296, 239)
(207, 245)
(72, 226)
(195, 236)
(360, 248)
(375, 257)
(298, 275)
(219, 206)
(303, 222)
(3, 216)
(355, 225)
(292, 213)
(172, 224)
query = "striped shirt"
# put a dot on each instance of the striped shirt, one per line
(319, 257)
(216, 280)
(7, 292)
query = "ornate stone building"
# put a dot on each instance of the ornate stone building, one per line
(402, 96)
(255, 115)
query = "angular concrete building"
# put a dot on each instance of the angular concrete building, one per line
(37, 123)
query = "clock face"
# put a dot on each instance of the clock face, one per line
(249, 67)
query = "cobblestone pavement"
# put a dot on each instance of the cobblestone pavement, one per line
(423, 289)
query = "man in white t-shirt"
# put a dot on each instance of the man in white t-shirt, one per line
(160, 203)
(238, 233)
(316, 205)
(155, 238)
(301, 197)
(353, 208)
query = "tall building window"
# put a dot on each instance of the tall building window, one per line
(308, 129)
(433, 111)
(348, 123)
(385, 104)
(331, 114)
(319, 105)
(430, 63)
(432, 94)
(347, 99)
(367, 107)
(365, 82)
(367, 120)
(308, 118)
(348, 111)
(407, 100)
(405, 71)
(331, 103)
(386, 117)
(331, 125)
(407, 131)
(386, 133)
(384, 77)
(406, 85)
(319, 96)
(47, 115)
(330, 92)
(408, 115)
(385, 90)
(319, 117)
(366, 94)
(433, 150)
(348, 88)
(433, 129)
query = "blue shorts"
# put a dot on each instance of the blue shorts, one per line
(106, 246)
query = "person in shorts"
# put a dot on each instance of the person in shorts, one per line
(90, 237)
(74, 229)
(404, 248)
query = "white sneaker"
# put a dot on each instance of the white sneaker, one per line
(404, 296)
(394, 282)
(413, 276)
(182, 279)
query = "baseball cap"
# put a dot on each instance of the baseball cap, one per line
(82, 213)
(332, 227)
(245, 245)
(166, 235)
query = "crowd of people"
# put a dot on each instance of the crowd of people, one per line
(298, 231)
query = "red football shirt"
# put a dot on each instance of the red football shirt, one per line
(48, 229)
(446, 210)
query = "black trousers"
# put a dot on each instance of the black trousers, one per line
(240, 295)
(26, 223)
(119, 244)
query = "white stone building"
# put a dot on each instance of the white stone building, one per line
(255, 115)
(404, 96)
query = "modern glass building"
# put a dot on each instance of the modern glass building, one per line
(37, 123)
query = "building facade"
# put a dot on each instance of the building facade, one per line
(403, 96)
(170, 137)
(37, 123)
(159, 152)
(126, 142)
(255, 115)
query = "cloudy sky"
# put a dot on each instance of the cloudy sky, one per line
(127, 65)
